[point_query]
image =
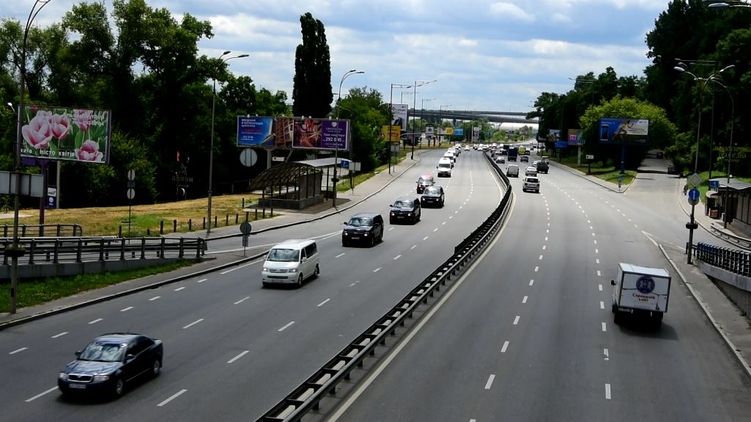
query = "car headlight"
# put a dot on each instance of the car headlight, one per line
(101, 377)
(265, 270)
(293, 270)
(365, 234)
(345, 233)
(63, 376)
(393, 213)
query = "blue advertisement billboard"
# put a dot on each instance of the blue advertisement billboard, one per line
(624, 131)
(458, 131)
(254, 131)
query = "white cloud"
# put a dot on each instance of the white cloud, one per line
(560, 17)
(509, 10)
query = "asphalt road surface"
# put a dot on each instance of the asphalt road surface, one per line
(232, 348)
(528, 334)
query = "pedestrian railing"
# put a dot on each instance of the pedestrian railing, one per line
(41, 230)
(725, 234)
(733, 260)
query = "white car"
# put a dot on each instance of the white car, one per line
(444, 167)
(466, 148)
(531, 184)
(530, 171)
(512, 170)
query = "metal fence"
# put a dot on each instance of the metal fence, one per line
(733, 260)
(41, 230)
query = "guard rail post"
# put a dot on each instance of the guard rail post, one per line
(78, 252)
(161, 248)
(180, 251)
(31, 252)
(122, 249)
(199, 247)
(143, 248)
(101, 251)
(56, 254)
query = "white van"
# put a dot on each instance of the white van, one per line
(291, 262)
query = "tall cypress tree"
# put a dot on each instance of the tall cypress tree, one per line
(312, 93)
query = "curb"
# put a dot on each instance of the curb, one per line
(709, 316)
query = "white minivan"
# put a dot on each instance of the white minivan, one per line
(291, 262)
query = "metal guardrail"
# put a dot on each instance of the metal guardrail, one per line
(54, 250)
(308, 395)
(41, 230)
(733, 260)
(730, 237)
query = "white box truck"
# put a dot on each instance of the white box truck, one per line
(640, 291)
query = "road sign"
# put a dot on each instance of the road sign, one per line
(561, 144)
(590, 157)
(694, 180)
(714, 184)
(693, 196)
(131, 175)
(245, 228)
(131, 193)
(345, 164)
(248, 157)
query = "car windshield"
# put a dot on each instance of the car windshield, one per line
(103, 352)
(283, 255)
(360, 221)
(403, 204)
(432, 191)
(531, 180)
(444, 165)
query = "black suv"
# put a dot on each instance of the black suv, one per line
(365, 228)
(433, 196)
(405, 208)
(542, 167)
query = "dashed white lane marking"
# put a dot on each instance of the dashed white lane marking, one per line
(413, 246)
(531, 282)
(58, 335)
(604, 327)
(435, 229)
(193, 323)
(505, 346)
(243, 353)
(524, 300)
(540, 257)
(597, 251)
(443, 224)
(599, 274)
(426, 238)
(340, 255)
(537, 269)
(606, 353)
(377, 269)
(179, 288)
(546, 238)
(202, 280)
(229, 271)
(29, 400)
(242, 300)
(607, 391)
(172, 397)
(597, 260)
(95, 321)
(289, 324)
(544, 247)
(600, 287)
(602, 305)
(323, 303)
(490, 382)
(595, 242)
(516, 320)
(391, 228)
(18, 350)
(154, 298)
(397, 257)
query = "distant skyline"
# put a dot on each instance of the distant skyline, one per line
(491, 56)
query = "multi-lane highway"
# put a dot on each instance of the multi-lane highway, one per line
(527, 334)
(232, 348)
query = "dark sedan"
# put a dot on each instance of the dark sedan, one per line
(111, 361)
(433, 196)
(366, 228)
(405, 209)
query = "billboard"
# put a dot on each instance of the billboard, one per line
(255, 131)
(575, 137)
(313, 133)
(459, 131)
(554, 135)
(396, 133)
(400, 112)
(624, 131)
(65, 134)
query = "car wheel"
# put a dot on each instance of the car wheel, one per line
(156, 368)
(318, 272)
(265, 284)
(119, 387)
(617, 318)
(299, 281)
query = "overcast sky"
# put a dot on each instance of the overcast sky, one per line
(485, 55)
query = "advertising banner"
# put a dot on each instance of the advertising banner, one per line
(554, 135)
(321, 134)
(429, 129)
(65, 134)
(459, 131)
(400, 112)
(475, 133)
(624, 131)
(575, 137)
(255, 131)
(396, 133)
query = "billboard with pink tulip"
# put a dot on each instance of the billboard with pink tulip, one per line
(69, 134)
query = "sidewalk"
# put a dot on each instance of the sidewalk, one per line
(345, 200)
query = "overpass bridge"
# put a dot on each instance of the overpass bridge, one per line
(469, 115)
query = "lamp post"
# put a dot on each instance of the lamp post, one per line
(211, 143)
(391, 108)
(16, 251)
(715, 4)
(335, 179)
(702, 84)
(414, 113)
(440, 121)
(591, 82)
(730, 143)
(422, 111)
(700, 62)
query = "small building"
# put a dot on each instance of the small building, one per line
(733, 198)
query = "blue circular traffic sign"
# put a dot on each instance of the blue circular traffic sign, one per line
(693, 194)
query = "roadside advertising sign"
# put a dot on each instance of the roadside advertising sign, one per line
(624, 131)
(324, 134)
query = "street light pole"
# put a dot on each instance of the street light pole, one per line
(700, 62)
(211, 143)
(335, 179)
(440, 120)
(414, 114)
(422, 113)
(727, 4)
(730, 146)
(391, 109)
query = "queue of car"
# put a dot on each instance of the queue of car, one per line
(531, 181)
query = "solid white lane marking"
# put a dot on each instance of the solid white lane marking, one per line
(126, 309)
(58, 335)
(524, 300)
(426, 238)
(490, 382)
(154, 298)
(172, 397)
(193, 323)
(413, 246)
(202, 280)
(505, 346)
(516, 320)
(18, 350)
(377, 269)
(604, 327)
(41, 394)
(531, 282)
(537, 269)
(323, 303)
(397, 257)
(95, 321)
(289, 324)
(602, 305)
(340, 255)
(242, 300)
(599, 274)
(179, 288)
(243, 353)
(606, 353)
(607, 391)
(600, 287)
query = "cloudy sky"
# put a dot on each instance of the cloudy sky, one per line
(485, 55)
